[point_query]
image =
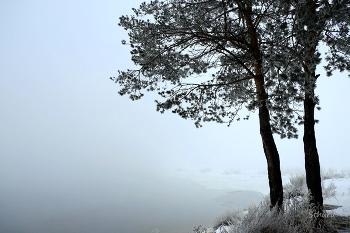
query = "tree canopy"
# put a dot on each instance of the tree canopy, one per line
(199, 56)
(209, 59)
(318, 22)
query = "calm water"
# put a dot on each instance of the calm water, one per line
(120, 204)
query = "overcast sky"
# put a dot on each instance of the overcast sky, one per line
(63, 126)
(62, 118)
(59, 108)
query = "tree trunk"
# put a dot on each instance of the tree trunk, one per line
(272, 158)
(312, 164)
(269, 145)
(270, 149)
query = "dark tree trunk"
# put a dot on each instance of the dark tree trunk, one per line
(269, 145)
(270, 149)
(272, 157)
(312, 164)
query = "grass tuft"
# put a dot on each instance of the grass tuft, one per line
(296, 215)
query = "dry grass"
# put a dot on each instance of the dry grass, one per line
(295, 216)
(341, 223)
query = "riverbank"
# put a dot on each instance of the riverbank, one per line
(336, 188)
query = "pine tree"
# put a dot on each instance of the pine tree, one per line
(209, 59)
(317, 23)
(230, 40)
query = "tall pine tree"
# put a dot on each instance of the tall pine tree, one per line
(210, 59)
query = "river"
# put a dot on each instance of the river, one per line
(127, 203)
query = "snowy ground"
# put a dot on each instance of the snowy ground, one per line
(258, 182)
(342, 195)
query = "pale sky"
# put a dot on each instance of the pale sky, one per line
(58, 106)
(61, 117)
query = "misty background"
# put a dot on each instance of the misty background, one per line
(73, 152)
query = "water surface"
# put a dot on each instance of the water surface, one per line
(135, 203)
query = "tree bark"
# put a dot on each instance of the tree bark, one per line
(269, 145)
(272, 158)
(312, 164)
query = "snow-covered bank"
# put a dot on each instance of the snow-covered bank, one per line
(231, 180)
(257, 182)
(342, 197)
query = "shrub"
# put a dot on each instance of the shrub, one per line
(297, 188)
(294, 217)
(200, 229)
(229, 218)
(334, 174)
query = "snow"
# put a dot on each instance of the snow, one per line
(229, 180)
(257, 181)
(342, 197)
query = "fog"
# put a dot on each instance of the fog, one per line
(119, 202)
(77, 157)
